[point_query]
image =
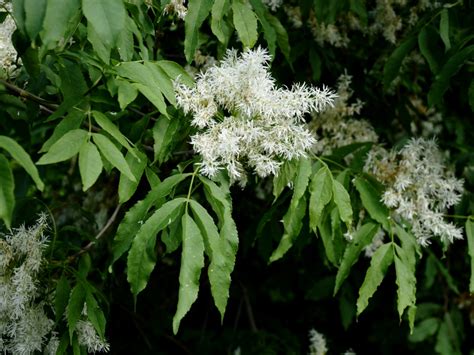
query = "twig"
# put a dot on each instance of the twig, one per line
(248, 307)
(98, 236)
(28, 95)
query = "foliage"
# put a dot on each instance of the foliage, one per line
(126, 124)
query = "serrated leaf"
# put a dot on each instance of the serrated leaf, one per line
(394, 62)
(113, 155)
(293, 218)
(21, 156)
(7, 191)
(362, 237)
(75, 307)
(343, 202)
(222, 264)
(268, 30)
(65, 148)
(90, 165)
(107, 17)
(285, 177)
(135, 217)
(126, 187)
(470, 248)
(428, 48)
(379, 263)
(451, 67)
(321, 194)
(192, 262)
(95, 314)
(198, 10)
(371, 200)
(245, 22)
(107, 125)
(218, 25)
(34, 15)
(56, 21)
(141, 257)
(61, 297)
(406, 281)
(444, 29)
(72, 121)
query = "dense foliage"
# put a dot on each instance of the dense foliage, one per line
(236, 176)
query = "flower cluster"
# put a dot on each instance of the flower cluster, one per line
(87, 336)
(418, 187)
(317, 343)
(273, 4)
(244, 120)
(335, 127)
(177, 7)
(24, 325)
(8, 54)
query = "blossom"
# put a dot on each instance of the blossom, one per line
(177, 7)
(88, 337)
(244, 120)
(317, 345)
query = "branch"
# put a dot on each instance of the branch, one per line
(28, 95)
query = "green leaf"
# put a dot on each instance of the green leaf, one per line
(245, 22)
(34, 15)
(155, 97)
(134, 218)
(174, 70)
(222, 264)
(282, 36)
(362, 237)
(470, 248)
(141, 257)
(58, 15)
(219, 26)
(394, 62)
(107, 17)
(72, 121)
(164, 135)
(113, 155)
(22, 158)
(343, 202)
(381, 260)
(325, 231)
(424, 330)
(127, 187)
(406, 281)
(359, 8)
(75, 307)
(61, 297)
(285, 177)
(7, 191)
(428, 47)
(293, 218)
(451, 67)
(198, 10)
(268, 30)
(90, 165)
(371, 200)
(446, 340)
(101, 49)
(444, 29)
(192, 262)
(321, 195)
(65, 148)
(127, 93)
(163, 81)
(107, 125)
(95, 314)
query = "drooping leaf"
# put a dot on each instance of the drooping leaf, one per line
(75, 307)
(222, 264)
(72, 121)
(198, 10)
(425, 329)
(90, 165)
(292, 220)
(406, 281)
(34, 15)
(56, 21)
(362, 237)
(141, 257)
(95, 314)
(164, 132)
(174, 70)
(192, 262)
(268, 30)
(219, 26)
(61, 297)
(285, 177)
(65, 147)
(428, 47)
(321, 194)
(343, 202)
(394, 62)
(371, 201)
(245, 22)
(7, 191)
(444, 29)
(127, 187)
(381, 260)
(282, 36)
(127, 93)
(470, 247)
(21, 156)
(155, 97)
(113, 155)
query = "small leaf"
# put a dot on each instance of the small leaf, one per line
(192, 262)
(65, 148)
(470, 248)
(371, 200)
(95, 314)
(59, 14)
(61, 297)
(321, 195)
(75, 307)
(425, 329)
(141, 257)
(285, 177)
(444, 29)
(7, 191)
(113, 155)
(245, 22)
(22, 158)
(90, 165)
(127, 93)
(174, 70)
(127, 187)
(381, 260)
(198, 10)
(343, 202)
(406, 281)
(394, 62)
(72, 121)
(154, 95)
(362, 237)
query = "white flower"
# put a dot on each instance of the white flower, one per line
(245, 121)
(317, 344)
(177, 7)
(88, 337)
